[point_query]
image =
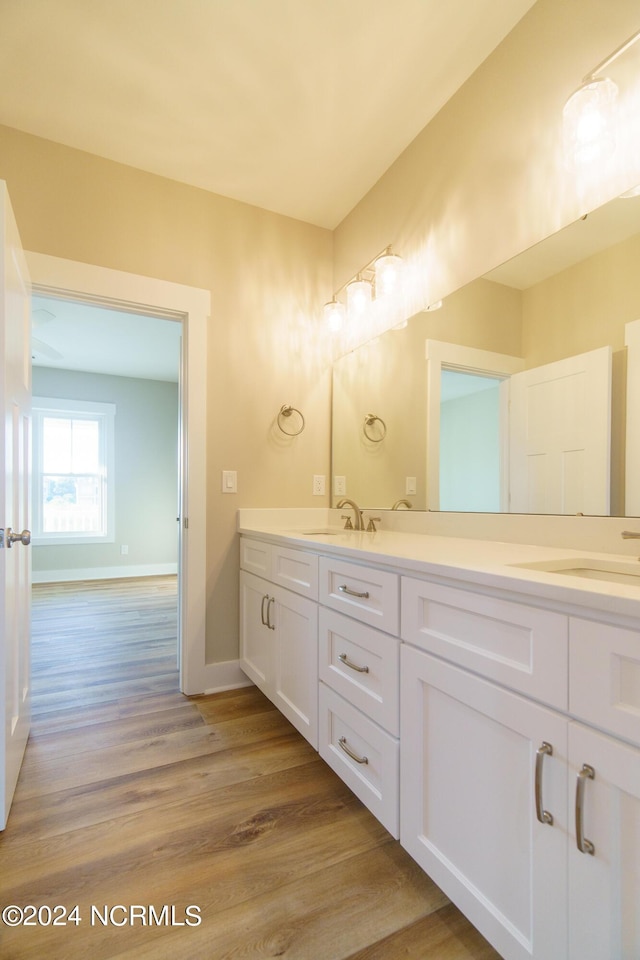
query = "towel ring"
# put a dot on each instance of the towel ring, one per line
(369, 420)
(285, 411)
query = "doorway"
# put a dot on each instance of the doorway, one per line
(106, 426)
(146, 297)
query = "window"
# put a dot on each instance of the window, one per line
(73, 481)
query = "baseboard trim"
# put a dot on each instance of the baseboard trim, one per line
(224, 676)
(104, 573)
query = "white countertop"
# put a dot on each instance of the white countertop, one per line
(486, 563)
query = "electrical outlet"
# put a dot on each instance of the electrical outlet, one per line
(318, 485)
(340, 486)
(124, 550)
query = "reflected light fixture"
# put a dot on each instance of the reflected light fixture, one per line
(589, 116)
(334, 315)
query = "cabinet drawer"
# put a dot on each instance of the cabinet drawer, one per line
(255, 557)
(604, 677)
(296, 570)
(362, 592)
(362, 665)
(522, 647)
(375, 779)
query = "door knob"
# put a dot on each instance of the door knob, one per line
(10, 537)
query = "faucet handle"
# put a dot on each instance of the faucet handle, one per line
(371, 526)
(348, 525)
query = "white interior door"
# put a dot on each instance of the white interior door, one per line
(15, 484)
(560, 436)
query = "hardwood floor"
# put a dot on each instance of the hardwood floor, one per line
(133, 796)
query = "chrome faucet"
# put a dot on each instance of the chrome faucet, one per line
(357, 512)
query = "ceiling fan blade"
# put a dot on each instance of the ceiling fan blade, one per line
(39, 347)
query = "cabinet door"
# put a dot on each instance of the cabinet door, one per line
(468, 813)
(256, 639)
(295, 665)
(604, 886)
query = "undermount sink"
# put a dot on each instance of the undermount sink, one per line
(320, 533)
(613, 571)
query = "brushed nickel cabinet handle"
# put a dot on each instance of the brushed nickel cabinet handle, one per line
(271, 626)
(262, 616)
(349, 663)
(347, 749)
(544, 750)
(587, 773)
(353, 593)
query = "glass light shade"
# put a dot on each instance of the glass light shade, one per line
(359, 297)
(334, 315)
(589, 123)
(388, 270)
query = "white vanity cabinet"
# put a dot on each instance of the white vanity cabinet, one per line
(469, 753)
(604, 877)
(279, 630)
(497, 735)
(359, 683)
(496, 788)
(604, 863)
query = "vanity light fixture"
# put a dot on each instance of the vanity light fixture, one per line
(589, 115)
(388, 274)
(359, 297)
(379, 282)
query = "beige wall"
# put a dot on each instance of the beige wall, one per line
(481, 183)
(485, 179)
(584, 307)
(267, 274)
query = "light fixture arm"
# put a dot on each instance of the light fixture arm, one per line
(367, 266)
(612, 56)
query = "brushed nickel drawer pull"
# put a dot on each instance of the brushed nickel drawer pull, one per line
(544, 750)
(269, 624)
(349, 663)
(584, 845)
(262, 617)
(353, 593)
(347, 749)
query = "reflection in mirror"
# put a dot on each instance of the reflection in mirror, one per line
(470, 453)
(569, 295)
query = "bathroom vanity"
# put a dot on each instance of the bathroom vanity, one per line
(483, 700)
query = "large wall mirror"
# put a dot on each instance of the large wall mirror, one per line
(517, 395)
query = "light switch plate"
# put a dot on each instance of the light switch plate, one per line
(410, 485)
(229, 481)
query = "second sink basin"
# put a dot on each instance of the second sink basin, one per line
(614, 571)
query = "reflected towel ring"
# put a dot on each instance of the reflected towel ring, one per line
(369, 420)
(285, 411)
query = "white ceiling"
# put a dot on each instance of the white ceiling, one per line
(297, 106)
(78, 336)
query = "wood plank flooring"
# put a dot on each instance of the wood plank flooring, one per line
(134, 796)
